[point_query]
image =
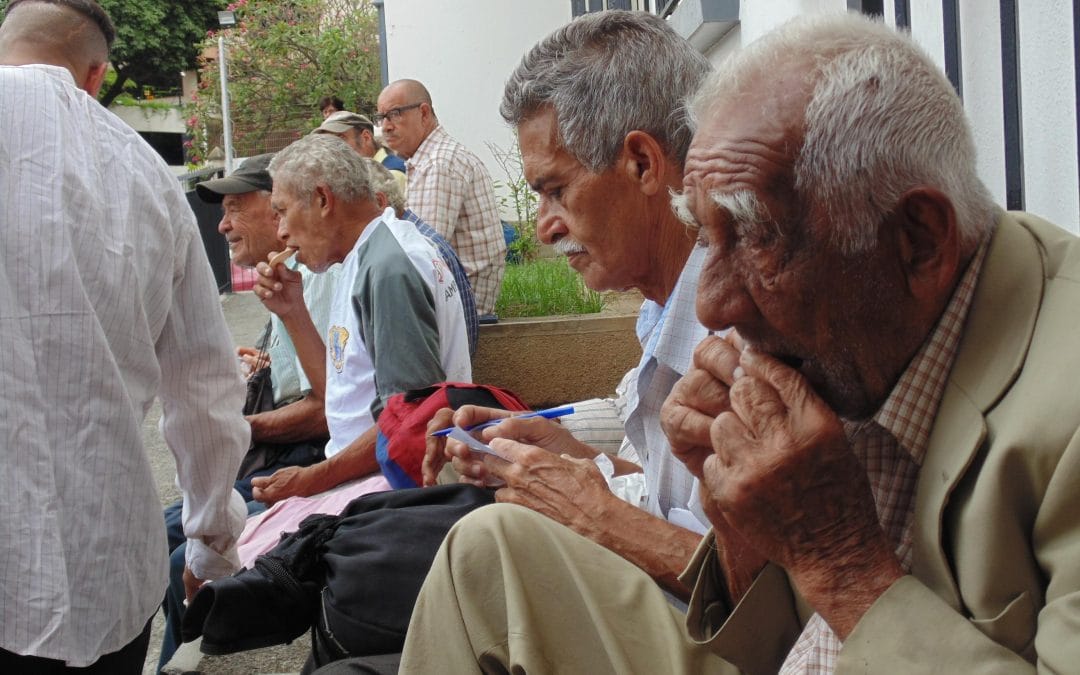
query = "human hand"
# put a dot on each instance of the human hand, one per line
(292, 481)
(191, 584)
(280, 289)
(252, 359)
(785, 479)
(537, 431)
(435, 456)
(569, 490)
(698, 397)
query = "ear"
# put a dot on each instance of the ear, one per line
(643, 161)
(323, 199)
(94, 79)
(381, 200)
(928, 242)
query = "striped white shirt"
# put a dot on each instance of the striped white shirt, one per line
(106, 300)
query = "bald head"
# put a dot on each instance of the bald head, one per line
(73, 34)
(412, 89)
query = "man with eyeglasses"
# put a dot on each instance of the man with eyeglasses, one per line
(449, 187)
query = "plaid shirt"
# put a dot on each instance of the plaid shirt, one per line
(891, 447)
(451, 190)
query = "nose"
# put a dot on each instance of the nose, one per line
(282, 231)
(723, 300)
(225, 224)
(550, 225)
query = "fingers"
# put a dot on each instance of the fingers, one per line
(471, 415)
(718, 357)
(435, 446)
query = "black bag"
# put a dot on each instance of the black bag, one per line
(260, 399)
(357, 574)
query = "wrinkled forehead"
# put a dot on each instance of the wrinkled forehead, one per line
(392, 97)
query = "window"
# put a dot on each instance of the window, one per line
(579, 7)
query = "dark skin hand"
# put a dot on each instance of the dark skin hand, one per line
(191, 584)
(687, 418)
(782, 481)
(549, 471)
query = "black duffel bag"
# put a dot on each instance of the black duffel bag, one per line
(358, 574)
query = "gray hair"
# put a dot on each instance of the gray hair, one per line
(607, 74)
(323, 159)
(882, 119)
(382, 180)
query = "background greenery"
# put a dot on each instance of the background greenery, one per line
(283, 57)
(545, 287)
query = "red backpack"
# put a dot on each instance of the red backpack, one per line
(403, 424)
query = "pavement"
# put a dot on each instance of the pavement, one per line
(246, 318)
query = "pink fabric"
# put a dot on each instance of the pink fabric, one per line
(263, 531)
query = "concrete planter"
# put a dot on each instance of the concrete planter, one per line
(553, 360)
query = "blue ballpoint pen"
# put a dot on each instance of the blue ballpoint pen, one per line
(550, 413)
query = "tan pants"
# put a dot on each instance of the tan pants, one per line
(513, 591)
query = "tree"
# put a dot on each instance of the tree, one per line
(156, 39)
(282, 56)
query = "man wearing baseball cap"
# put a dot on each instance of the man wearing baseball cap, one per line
(359, 132)
(292, 431)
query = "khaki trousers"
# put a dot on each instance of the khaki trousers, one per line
(513, 591)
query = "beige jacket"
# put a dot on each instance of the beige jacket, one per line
(995, 579)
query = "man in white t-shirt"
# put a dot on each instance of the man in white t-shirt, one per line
(396, 321)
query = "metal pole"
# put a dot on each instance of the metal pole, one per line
(384, 70)
(223, 70)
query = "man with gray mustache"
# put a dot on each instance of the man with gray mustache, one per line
(604, 203)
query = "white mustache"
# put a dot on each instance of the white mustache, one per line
(567, 246)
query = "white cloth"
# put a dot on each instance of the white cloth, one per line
(669, 335)
(106, 300)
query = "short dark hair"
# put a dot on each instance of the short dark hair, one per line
(88, 8)
(331, 100)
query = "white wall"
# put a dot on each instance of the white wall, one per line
(1048, 92)
(463, 52)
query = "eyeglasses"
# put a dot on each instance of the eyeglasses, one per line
(393, 114)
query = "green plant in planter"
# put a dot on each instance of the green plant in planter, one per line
(515, 196)
(545, 287)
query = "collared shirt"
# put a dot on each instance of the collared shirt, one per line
(106, 301)
(450, 188)
(286, 373)
(669, 334)
(468, 302)
(891, 447)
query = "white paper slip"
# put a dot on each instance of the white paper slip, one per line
(459, 434)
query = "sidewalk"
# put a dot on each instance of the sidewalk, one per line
(247, 319)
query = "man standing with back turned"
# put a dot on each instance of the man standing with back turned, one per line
(106, 301)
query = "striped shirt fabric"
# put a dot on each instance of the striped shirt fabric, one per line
(891, 447)
(450, 188)
(106, 301)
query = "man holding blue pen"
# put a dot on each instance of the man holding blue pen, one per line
(604, 203)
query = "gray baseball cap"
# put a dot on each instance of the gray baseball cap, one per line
(342, 121)
(252, 175)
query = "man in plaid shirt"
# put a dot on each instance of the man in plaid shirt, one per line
(449, 187)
